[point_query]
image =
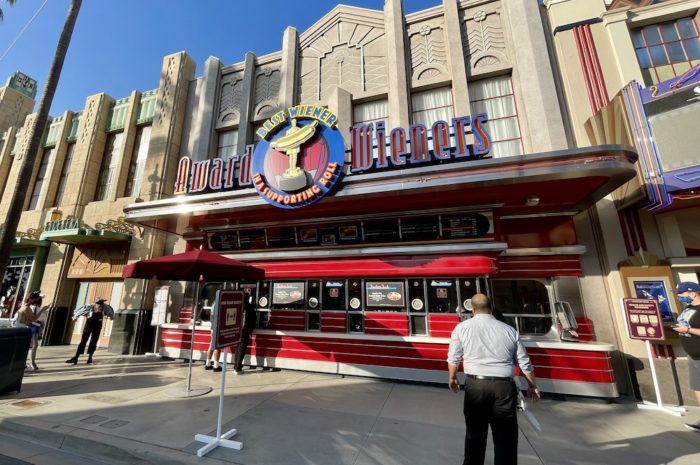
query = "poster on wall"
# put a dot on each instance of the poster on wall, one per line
(160, 305)
(287, 293)
(655, 290)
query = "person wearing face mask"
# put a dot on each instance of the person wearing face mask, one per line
(688, 327)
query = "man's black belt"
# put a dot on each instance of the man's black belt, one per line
(491, 378)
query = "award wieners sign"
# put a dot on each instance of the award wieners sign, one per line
(227, 321)
(643, 319)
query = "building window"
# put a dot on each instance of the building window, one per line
(370, 112)
(432, 105)
(110, 165)
(495, 97)
(228, 144)
(65, 171)
(40, 178)
(138, 162)
(667, 49)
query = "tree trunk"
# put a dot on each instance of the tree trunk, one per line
(36, 131)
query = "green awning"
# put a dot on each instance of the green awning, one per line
(81, 236)
(27, 243)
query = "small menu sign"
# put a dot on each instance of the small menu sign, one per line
(227, 321)
(643, 319)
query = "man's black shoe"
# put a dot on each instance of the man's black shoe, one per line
(219, 368)
(73, 360)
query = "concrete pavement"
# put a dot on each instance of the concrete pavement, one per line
(120, 411)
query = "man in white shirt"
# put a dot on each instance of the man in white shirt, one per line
(489, 350)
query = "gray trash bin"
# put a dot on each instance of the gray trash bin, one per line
(14, 346)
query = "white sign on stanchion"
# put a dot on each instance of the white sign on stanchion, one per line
(643, 322)
(227, 325)
(160, 308)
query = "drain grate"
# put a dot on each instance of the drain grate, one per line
(113, 424)
(94, 419)
(27, 403)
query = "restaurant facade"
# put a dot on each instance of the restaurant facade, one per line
(383, 167)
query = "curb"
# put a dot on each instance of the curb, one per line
(98, 446)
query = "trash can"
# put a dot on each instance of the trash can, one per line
(14, 345)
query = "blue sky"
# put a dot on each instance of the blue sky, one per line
(118, 46)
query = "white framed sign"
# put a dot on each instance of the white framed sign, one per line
(160, 305)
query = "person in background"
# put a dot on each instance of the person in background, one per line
(94, 314)
(212, 362)
(688, 327)
(249, 320)
(28, 315)
(488, 350)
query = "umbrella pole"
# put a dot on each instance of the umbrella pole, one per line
(195, 307)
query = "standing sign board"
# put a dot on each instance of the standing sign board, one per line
(643, 319)
(227, 319)
(160, 305)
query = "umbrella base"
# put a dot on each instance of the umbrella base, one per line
(182, 392)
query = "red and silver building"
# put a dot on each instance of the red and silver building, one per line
(382, 168)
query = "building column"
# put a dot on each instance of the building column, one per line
(245, 129)
(340, 103)
(457, 64)
(399, 109)
(289, 68)
(531, 62)
(203, 122)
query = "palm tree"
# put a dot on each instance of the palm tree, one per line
(36, 131)
(9, 2)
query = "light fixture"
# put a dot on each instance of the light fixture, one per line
(532, 201)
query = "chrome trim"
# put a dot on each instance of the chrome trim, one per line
(539, 215)
(564, 250)
(369, 251)
(313, 221)
(477, 173)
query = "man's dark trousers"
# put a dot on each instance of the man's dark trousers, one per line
(490, 402)
(92, 329)
(242, 348)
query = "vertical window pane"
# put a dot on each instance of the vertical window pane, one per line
(675, 51)
(651, 33)
(40, 178)
(228, 144)
(372, 112)
(110, 163)
(138, 161)
(687, 28)
(638, 38)
(643, 58)
(65, 172)
(692, 48)
(668, 32)
(495, 97)
(432, 105)
(658, 55)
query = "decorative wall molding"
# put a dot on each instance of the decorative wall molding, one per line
(268, 80)
(428, 50)
(231, 96)
(484, 40)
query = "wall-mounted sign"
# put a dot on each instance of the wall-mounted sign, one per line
(301, 155)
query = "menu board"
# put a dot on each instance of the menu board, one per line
(281, 237)
(382, 231)
(465, 226)
(349, 232)
(643, 319)
(385, 294)
(252, 239)
(420, 229)
(308, 236)
(222, 241)
(287, 293)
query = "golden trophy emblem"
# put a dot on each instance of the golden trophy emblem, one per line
(294, 178)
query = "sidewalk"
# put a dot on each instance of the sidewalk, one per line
(118, 411)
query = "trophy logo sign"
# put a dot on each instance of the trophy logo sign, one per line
(299, 158)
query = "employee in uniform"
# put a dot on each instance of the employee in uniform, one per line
(488, 350)
(94, 314)
(249, 320)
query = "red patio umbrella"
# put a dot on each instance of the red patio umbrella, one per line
(195, 265)
(189, 266)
